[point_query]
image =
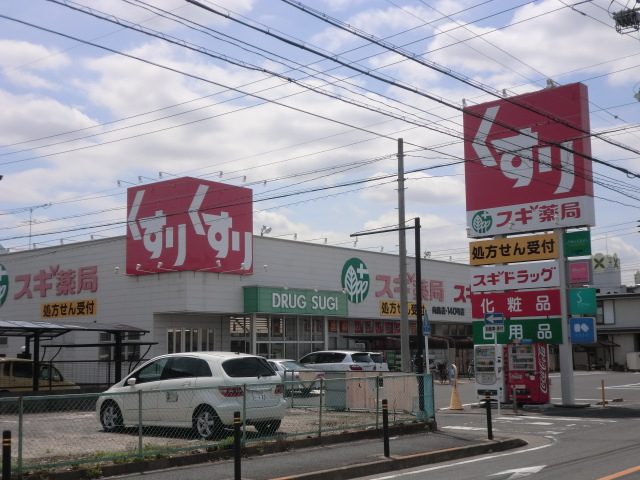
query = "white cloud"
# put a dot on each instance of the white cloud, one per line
(24, 64)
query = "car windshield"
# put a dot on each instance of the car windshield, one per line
(361, 357)
(247, 367)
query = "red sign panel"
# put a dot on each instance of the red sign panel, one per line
(527, 303)
(189, 224)
(524, 166)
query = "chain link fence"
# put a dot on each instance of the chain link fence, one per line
(74, 430)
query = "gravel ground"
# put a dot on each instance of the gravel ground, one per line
(69, 436)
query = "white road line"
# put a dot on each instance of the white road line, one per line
(465, 462)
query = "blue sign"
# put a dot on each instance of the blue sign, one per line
(426, 328)
(494, 318)
(583, 329)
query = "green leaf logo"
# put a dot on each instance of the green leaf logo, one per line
(481, 222)
(355, 280)
(4, 284)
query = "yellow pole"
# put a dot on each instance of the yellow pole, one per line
(455, 403)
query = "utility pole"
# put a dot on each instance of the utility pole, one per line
(405, 345)
(31, 209)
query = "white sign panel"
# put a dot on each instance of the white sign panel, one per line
(515, 277)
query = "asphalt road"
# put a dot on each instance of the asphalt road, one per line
(592, 443)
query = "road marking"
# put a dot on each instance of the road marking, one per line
(463, 428)
(465, 462)
(628, 386)
(553, 419)
(562, 419)
(620, 474)
(520, 472)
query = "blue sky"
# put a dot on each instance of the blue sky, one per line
(105, 103)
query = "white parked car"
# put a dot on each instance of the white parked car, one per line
(297, 377)
(339, 360)
(381, 363)
(199, 390)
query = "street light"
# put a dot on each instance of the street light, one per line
(419, 323)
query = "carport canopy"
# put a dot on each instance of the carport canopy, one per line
(38, 331)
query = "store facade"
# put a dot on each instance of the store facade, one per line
(300, 297)
(192, 274)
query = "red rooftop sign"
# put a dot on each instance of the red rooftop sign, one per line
(525, 170)
(189, 224)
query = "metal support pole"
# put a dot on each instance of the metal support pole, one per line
(565, 348)
(487, 403)
(419, 357)
(6, 455)
(237, 442)
(385, 426)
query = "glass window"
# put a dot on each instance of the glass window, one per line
(262, 330)
(291, 330)
(23, 369)
(152, 372)
(247, 367)
(207, 340)
(187, 367)
(240, 326)
(277, 327)
(170, 340)
(177, 346)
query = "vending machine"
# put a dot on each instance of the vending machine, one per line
(488, 361)
(527, 373)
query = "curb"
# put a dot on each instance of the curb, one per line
(411, 461)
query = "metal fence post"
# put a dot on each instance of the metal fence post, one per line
(385, 426)
(487, 402)
(6, 455)
(20, 431)
(140, 424)
(378, 385)
(320, 404)
(244, 412)
(237, 453)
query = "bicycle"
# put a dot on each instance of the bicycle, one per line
(471, 372)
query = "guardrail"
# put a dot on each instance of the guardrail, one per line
(65, 431)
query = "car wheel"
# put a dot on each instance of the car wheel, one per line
(206, 423)
(268, 428)
(111, 417)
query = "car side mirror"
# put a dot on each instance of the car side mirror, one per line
(131, 381)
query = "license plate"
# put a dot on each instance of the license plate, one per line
(259, 396)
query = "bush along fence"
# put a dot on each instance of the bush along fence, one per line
(80, 430)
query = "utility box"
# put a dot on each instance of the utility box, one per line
(633, 360)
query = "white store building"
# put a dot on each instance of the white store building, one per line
(298, 298)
